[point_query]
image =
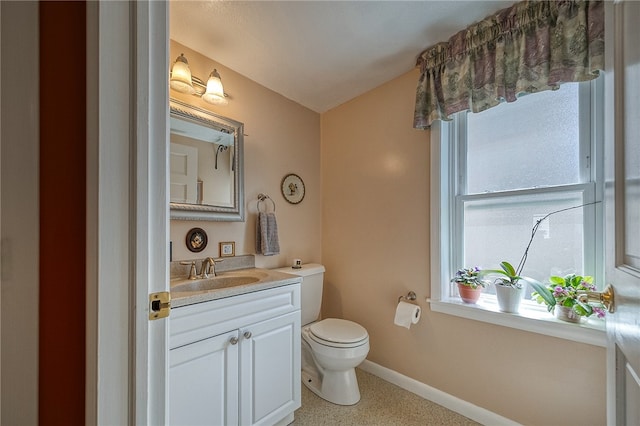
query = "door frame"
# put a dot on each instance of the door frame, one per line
(127, 211)
(19, 213)
(610, 138)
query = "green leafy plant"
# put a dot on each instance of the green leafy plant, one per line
(511, 276)
(470, 277)
(508, 275)
(566, 291)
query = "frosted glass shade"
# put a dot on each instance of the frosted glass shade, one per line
(181, 76)
(215, 92)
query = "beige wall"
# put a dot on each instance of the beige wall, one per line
(281, 137)
(375, 246)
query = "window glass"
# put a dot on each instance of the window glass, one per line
(499, 229)
(513, 165)
(524, 144)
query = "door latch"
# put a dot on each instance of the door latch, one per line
(159, 305)
(607, 297)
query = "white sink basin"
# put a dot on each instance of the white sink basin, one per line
(226, 284)
(224, 280)
(213, 283)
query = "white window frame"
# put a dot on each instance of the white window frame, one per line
(444, 221)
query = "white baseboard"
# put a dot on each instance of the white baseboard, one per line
(451, 402)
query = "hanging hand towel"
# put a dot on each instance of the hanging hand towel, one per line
(267, 234)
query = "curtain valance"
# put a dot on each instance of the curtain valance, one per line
(526, 48)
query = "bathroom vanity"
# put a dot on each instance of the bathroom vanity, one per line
(235, 351)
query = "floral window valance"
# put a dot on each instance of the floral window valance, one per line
(529, 47)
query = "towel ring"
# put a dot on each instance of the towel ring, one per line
(263, 197)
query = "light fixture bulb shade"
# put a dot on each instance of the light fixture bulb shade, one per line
(215, 92)
(181, 76)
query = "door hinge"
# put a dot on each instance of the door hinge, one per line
(159, 305)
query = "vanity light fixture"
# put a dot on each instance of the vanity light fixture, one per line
(181, 76)
(215, 93)
(182, 81)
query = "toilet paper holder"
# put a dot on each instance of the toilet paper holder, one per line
(410, 296)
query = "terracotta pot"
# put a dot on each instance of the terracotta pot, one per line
(567, 314)
(468, 294)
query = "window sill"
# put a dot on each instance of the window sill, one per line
(531, 318)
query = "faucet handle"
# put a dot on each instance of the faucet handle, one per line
(209, 267)
(192, 271)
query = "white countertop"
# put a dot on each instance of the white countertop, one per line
(266, 278)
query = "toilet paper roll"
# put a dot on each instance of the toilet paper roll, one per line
(407, 314)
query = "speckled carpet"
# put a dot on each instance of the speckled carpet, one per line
(381, 404)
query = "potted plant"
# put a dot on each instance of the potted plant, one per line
(470, 284)
(563, 297)
(509, 287)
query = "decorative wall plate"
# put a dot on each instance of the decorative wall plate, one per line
(196, 240)
(292, 188)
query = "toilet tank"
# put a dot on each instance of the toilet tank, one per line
(310, 290)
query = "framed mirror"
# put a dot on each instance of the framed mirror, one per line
(205, 165)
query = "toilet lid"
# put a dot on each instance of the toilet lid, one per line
(338, 331)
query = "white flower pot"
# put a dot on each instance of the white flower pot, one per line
(567, 314)
(509, 298)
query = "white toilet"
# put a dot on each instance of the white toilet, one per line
(331, 348)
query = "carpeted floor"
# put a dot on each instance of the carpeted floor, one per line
(381, 404)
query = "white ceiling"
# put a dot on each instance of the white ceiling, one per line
(321, 53)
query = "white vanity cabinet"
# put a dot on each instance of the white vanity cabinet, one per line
(203, 379)
(236, 361)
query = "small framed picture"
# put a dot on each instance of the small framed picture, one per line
(227, 249)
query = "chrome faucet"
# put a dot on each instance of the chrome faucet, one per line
(208, 267)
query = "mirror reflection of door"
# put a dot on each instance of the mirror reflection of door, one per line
(183, 166)
(205, 175)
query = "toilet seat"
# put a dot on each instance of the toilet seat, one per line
(338, 333)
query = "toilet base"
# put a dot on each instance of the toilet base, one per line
(337, 387)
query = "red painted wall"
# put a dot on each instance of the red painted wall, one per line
(62, 212)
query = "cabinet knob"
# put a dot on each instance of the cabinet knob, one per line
(247, 335)
(233, 340)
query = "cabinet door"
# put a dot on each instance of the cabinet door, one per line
(203, 382)
(270, 370)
